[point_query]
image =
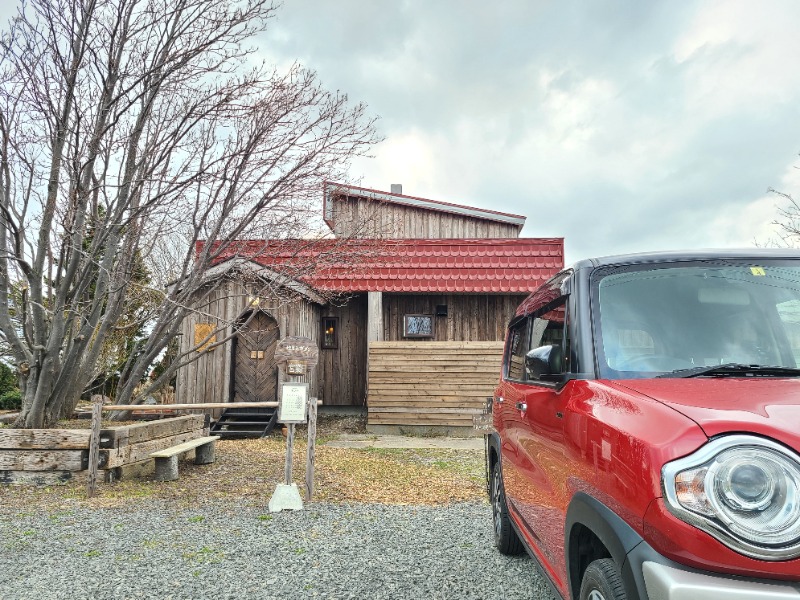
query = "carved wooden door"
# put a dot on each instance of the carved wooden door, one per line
(255, 374)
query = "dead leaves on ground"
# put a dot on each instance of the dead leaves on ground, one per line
(247, 471)
(401, 476)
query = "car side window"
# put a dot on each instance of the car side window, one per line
(538, 346)
(549, 343)
(518, 346)
(549, 327)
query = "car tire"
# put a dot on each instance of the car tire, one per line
(505, 538)
(602, 581)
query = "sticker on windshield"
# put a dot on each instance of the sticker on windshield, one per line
(757, 271)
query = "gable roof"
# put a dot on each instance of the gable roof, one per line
(494, 266)
(242, 266)
(338, 189)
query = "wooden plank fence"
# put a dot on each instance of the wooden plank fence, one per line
(431, 383)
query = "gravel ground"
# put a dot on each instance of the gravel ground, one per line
(225, 551)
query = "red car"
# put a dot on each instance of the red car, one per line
(646, 439)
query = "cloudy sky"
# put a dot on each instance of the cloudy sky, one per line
(621, 126)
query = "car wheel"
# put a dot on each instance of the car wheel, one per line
(602, 581)
(505, 538)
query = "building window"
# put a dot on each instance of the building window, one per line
(418, 326)
(330, 332)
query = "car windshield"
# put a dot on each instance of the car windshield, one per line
(666, 319)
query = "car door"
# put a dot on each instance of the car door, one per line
(509, 397)
(534, 454)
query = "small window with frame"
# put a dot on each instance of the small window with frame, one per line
(418, 326)
(329, 333)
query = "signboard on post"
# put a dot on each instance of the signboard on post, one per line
(293, 403)
(295, 367)
(296, 354)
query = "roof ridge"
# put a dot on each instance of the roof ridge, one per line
(330, 187)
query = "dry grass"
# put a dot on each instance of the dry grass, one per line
(247, 471)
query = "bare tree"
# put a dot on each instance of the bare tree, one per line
(788, 221)
(129, 130)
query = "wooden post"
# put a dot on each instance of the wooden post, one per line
(374, 326)
(289, 443)
(94, 446)
(374, 316)
(312, 437)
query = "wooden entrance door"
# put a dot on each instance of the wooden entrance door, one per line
(255, 374)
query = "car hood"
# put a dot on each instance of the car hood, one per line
(765, 406)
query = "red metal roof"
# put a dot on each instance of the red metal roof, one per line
(499, 266)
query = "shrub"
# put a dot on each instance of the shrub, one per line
(11, 400)
(8, 379)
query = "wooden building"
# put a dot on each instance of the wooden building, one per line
(412, 327)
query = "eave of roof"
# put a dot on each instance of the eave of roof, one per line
(485, 266)
(331, 189)
(249, 267)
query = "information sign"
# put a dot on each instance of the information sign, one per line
(293, 403)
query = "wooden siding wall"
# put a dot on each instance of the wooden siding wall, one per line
(340, 377)
(362, 218)
(470, 318)
(342, 371)
(433, 384)
(208, 379)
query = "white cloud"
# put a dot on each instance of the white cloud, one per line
(740, 54)
(406, 157)
(621, 125)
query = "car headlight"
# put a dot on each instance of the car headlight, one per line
(743, 490)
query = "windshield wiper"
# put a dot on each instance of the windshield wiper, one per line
(733, 370)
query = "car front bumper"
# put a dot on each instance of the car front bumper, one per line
(665, 582)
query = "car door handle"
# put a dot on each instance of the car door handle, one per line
(521, 406)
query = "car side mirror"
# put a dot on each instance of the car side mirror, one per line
(544, 362)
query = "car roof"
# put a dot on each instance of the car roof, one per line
(689, 255)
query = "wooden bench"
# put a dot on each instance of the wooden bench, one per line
(167, 459)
